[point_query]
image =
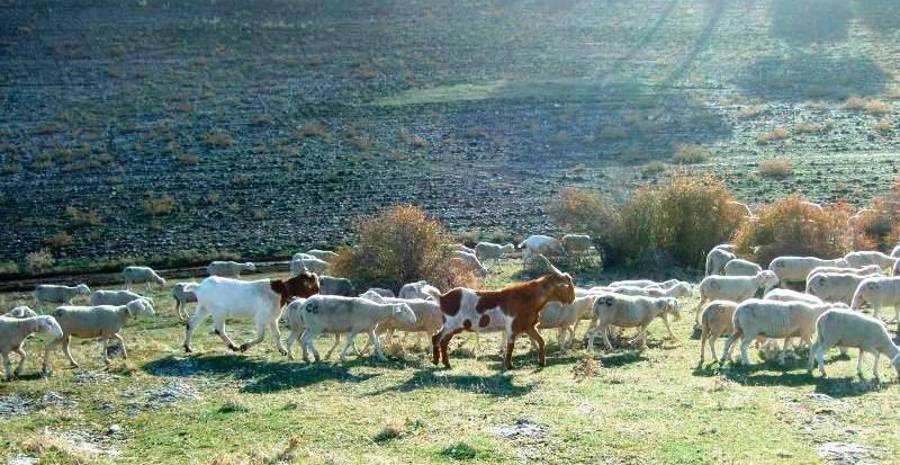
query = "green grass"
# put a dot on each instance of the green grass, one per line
(639, 407)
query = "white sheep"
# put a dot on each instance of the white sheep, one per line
(847, 328)
(53, 293)
(330, 285)
(324, 255)
(338, 314)
(229, 269)
(491, 251)
(716, 260)
(14, 331)
(677, 290)
(99, 321)
(260, 301)
(380, 291)
(869, 257)
(896, 252)
(896, 270)
(564, 318)
(577, 243)
(429, 319)
(834, 287)
(774, 319)
(463, 248)
(715, 320)
(540, 245)
(637, 283)
(182, 298)
(103, 297)
(796, 269)
(21, 311)
(734, 288)
(469, 262)
(418, 290)
(141, 274)
(740, 267)
(629, 312)
(869, 270)
(788, 295)
(878, 292)
(303, 255)
(312, 265)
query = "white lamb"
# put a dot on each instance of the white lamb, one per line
(734, 288)
(141, 274)
(491, 251)
(338, 314)
(564, 318)
(577, 243)
(896, 252)
(869, 270)
(716, 260)
(380, 291)
(847, 328)
(540, 245)
(741, 267)
(324, 255)
(229, 269)
(418, 290)
(89, 322)
(878, 292)
(52, 293)
(429, 319)
(869, 257)
(834, 287)
(788, 295)
(637, 283)
(14, 331)
(182, 298)
(102, 297)
(796, 269)
(260, 301)
(21, 311)
(715, 320)
(629, 312)
(469, 262)
(312, 265)
(774, 319)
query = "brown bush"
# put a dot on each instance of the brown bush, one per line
(878, 227)
(161, 205)
(777, 168)
(60, 239)
(689, 154)
(397, 246)
(586, 212)
(681, 219)
(788, 227)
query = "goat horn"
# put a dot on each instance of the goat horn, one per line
(550, 265)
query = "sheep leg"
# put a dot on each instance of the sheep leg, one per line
(859, 364)
(219, 324)
(260, 336)
(276, 333)
(199, 315)
(21, 365)
(377, 344)
(337, 340)
(669, 329)
(875, 369)
(347, 345)
(307, 343)
(535, 336)
(7, 367)
(604, 331)
(745, 344)
(118, 337)
(729, 345)
(65, 347)
(704, 335)
(293, 336)
(45, 369)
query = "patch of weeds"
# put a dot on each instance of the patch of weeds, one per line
(159, 205)
(217, 139)
(39, 261)
(653, 168)
(233, 406)
(689, 154)
(776, 134)
(586, 367)
(311, 129)
(388, 433)
(776, 168)
(751, 111)
(187, 159)
(60, 239)
(83, 217)
(809, 127)
(883, 126)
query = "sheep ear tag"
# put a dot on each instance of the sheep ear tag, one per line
(821, 280)
(608, 301)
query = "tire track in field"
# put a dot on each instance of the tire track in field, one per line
(715, 15)
(644, 40)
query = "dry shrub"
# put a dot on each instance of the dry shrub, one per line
(681, 219)
(751, 111)
(159, 205)
(83, 217)
(586, 212)
(311, 129)
(777, 168)
(883, 126)
(39, 261)
(688, 154)
(788, 227)
(397, 246)
(60, 239)
(217, 139)
(878, 227)
(778, 133)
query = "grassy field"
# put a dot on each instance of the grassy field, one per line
(622, 407)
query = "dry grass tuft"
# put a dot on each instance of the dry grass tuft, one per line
(883, 126)
(776, 134)
(159, 205)
(586, 367)
(217, 139)
(689, 154)
(60, 239)
(751, 111)
(311, 129)
(776, 168)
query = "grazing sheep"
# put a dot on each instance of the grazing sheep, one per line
(491, 251)
(577, 243)
(869, 257)
(463, 248)
(727, 247)
(428, 319)
(14, 331)
(847, 328)
(229, 269)
(734, 288)
(636, 283)
(680, 289)
(716, 260)
(102, 297)
(324, 255)
(469, 262)
(141, 274)
(715, 320)
(312, 265)
(52, 293)
(834, 287)
(183, 297)
(869, 270)
(565, 317)
(626, 311)
(540, 245)
(302, 255)
(896, 252)
(99, 321)
(21, 311)
(787, 295)
(796, 269)
(878, 292)
(773, 319)
(338, 314)
(740, 267)
(329, 285)
(381, 292)
(418, 290)
(260, 301)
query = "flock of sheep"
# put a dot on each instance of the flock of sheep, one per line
(314, 304)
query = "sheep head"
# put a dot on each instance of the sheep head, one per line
(404, 313)
(83, 289)
(48, 324)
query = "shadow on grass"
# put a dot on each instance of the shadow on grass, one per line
(261, 376)
(809, 76)
(497, 385)
(803, 22)
(881, 16)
